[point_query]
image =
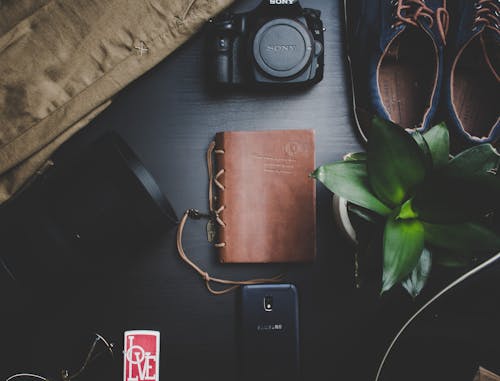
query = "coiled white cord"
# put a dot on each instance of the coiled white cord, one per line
(432, 300)
(26, 375)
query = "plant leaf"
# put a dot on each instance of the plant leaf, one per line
(395, 162)
(452, 199)
(424, 147)
(461, 237)
(480, 159)
(418, 277)
(363, 213)
(403, 245)
(467, 187)
(438, 141)
(349, 180)
(355, 156)
(406, 211)
(452, 258)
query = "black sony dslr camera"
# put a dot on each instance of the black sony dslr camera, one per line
(279, 42)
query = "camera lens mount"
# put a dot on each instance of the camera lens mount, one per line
(283, 47)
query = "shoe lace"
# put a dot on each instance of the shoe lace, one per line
(409, 11)
(488, 13)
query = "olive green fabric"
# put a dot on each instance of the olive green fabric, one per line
(61, 62)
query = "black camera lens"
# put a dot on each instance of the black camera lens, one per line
(283, 47)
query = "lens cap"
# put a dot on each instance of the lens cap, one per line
(282, 47)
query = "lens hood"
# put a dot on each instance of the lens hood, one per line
(106, 196)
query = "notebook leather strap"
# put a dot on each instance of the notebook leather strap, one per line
(214, 214)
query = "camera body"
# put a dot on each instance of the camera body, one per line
(279, 42)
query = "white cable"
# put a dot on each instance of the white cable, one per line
(443, 291)
(6, 268)
(26, 375)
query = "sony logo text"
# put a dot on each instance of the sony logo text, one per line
(282, 48)
(281, 2)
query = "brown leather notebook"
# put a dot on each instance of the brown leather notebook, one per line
(266, 199)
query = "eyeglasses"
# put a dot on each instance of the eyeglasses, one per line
(100, 347)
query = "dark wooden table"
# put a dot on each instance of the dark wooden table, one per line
(168, 117)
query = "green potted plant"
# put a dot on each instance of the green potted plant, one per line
(422, 205)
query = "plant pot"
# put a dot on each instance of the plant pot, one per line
(343, 220)
(365, 239)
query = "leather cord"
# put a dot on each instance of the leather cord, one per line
(215, 216)
(215, 180)
(233, 284)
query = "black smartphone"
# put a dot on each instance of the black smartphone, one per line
(269, 333)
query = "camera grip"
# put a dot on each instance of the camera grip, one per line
(223, 68)
(222, 60)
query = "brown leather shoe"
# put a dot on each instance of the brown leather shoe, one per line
(395, 50)
(472, 76)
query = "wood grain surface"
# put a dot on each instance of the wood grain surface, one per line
(168, 117)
